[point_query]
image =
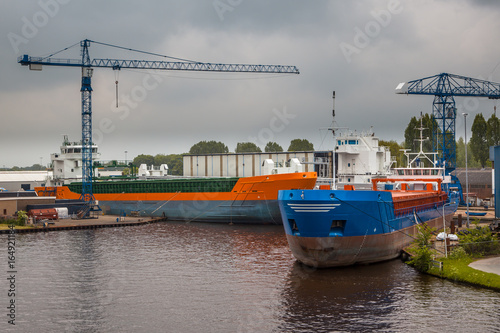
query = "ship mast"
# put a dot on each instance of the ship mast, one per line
(421, 152)
(334, 186)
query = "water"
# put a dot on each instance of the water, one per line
(177, 277)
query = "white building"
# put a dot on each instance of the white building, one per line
(248, 164)
(23, 180)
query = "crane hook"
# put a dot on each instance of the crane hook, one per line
(116, 69)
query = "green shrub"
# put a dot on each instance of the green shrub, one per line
(421, 250)
(458, 253)
(479, 242)
(22, 216)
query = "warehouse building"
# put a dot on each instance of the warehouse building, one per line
(257, 164)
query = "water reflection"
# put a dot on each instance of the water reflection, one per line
(340, 299)
(182, 277)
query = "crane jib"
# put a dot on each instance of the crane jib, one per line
(160, 65)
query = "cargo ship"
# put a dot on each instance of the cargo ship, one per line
(247, 200)
(329, 228)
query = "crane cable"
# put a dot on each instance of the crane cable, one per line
(117, 72)
(145, 52)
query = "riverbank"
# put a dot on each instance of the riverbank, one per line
(460, 261)
(463, 270)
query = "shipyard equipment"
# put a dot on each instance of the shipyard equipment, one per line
(87, 65)
(445, 87)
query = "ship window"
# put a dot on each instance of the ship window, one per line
(348, 180)
(339, 142)
(417, 172)
(426, 172)
(435, 172)
(352, 142)
(401, 172)
(348, 164)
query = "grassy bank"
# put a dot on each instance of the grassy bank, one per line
(473, 245)
(458, 270)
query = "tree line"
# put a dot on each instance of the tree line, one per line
(485, 133)
(174, 161)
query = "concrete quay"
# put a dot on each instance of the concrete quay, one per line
(103, 221)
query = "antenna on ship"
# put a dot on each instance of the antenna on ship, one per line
(333, 110)
(421, 153)
(334, 186)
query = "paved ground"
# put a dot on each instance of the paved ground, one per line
(490, 265)
(102, 219)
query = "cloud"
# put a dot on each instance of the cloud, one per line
(171, 111)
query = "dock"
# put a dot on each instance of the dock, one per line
(104, 221)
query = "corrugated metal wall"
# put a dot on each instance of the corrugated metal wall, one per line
(238, 165)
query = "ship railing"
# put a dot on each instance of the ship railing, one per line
(417, 209)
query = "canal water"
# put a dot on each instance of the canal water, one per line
(186, 277)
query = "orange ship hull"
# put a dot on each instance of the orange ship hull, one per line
(250, 200)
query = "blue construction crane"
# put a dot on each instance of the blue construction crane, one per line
(445, 87)
(87, 65)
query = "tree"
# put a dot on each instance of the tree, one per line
(493, 131)
(143, 159)
(174, 162)
(479, 140)
(272, 147)
(247, 147)
(394, 148)
(300, 145)
(35, 167)
(412, 133)
(460, 151)
(208, 147)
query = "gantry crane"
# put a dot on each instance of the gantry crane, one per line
(87, 64)
(445, 87)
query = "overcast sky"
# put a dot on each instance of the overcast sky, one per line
(360, 49)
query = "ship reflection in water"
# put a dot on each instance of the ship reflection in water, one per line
(187, 277)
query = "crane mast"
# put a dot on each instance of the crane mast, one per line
(87, 66)
(86, 92)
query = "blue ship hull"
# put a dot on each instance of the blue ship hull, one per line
(327, 228)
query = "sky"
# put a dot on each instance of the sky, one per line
(360, 49)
